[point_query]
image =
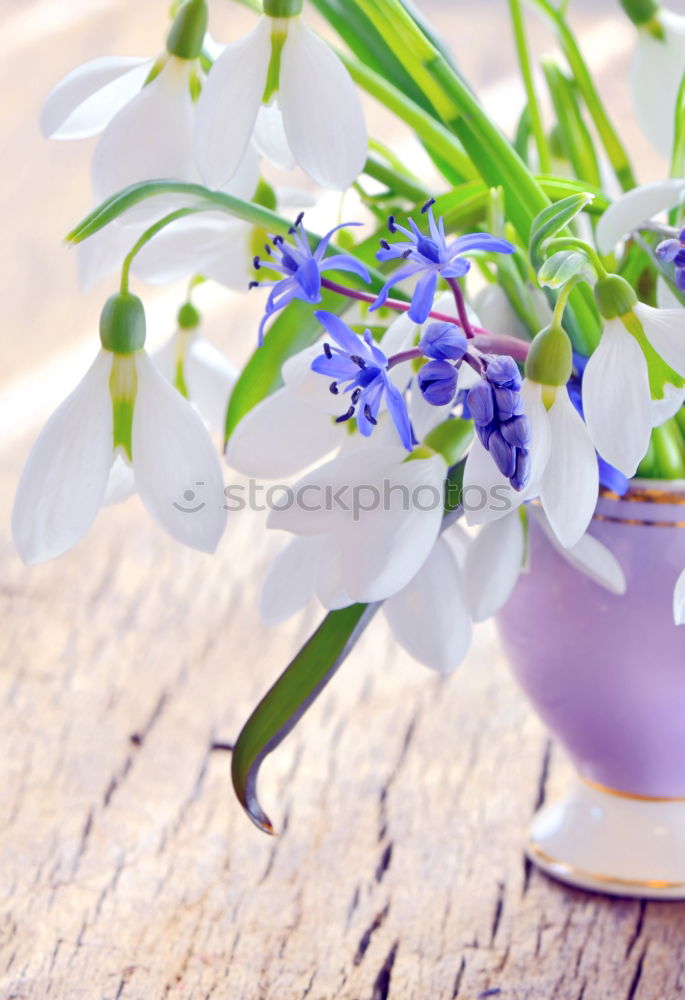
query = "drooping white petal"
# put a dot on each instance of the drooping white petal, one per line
(291, 580)
(590, 557)
(665, 296)
(424, 416)
(385, 545)
(85, 100)
(570, 482)
(280, 436)
(244, 181)
(429, 617)
(617, 399)
(177, 470)
(637, 206)
(665, 330)
(102, 254)
(121, 483)
(149, 138)
(487, 494)
(664, 409)
(269, 136)
(210, 377)
(65, 476)
(540, 435)
(311, 386)
(322, 114)
(492, 566)
(657, 71)
(330, 586)
(228, 105)
(679, 600)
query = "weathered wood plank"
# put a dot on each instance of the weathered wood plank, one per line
(128, 870)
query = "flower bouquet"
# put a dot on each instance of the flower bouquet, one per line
(465, 398)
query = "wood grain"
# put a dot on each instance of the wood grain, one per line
(128, 870)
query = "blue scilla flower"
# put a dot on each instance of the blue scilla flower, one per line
(431, 254)
(673, 251)
(497, 409)
(301, 268)
(443, 342)
(359, 367)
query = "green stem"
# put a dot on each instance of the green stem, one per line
(148, 235)
(571, 242)
(614, 147)
(396, 181)
(562, 300)
(436, 137)
(536, 124)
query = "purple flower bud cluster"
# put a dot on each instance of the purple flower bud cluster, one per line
(673, 251)
(497, 410)
(445, 344)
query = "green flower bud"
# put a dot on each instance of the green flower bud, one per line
(122, 324)
(188, 317)
(282, 8)
(188, 30)
(614, 296)
(640, 11)
(550, 358)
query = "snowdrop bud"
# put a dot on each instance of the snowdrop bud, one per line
(188, 317)
(640, 11)
(282, 8)
(550, 359)
(188, 30)
(614, 296)
(122, 324)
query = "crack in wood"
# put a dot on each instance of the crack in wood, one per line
(384, 863)
(637, 976)
(365, 939)
(458, 979)
(639, 926)
(381, 986)
(541, 793)
(497, 915)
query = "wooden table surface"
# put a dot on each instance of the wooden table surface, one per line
(129, 871)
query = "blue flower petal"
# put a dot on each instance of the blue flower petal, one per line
(397, 409)
(422, 299)
(339, 331)
(479, 241)
(344, 262)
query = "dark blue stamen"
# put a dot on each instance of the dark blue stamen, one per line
(327, 351)
(346, 416)
(277, 240)
(391, 223)
(267, 249)
(369, 415)
(333, 387)
(357, 360)
(385, 244)
(253, 284)
(424, 208)
(298, 220)
(256, 263)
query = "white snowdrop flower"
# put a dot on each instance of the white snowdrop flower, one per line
(283, 85)
(631, 209)
(123, 411)
(617, 394)
(214, 244)
(143, 107)
(657, 72)
(197, 369)
(295, 426)
(377, 514)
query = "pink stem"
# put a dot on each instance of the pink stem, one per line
(461, 306)
(496, 343)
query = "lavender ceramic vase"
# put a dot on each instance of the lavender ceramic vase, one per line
(607, 676)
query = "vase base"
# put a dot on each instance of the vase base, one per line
(597, 840)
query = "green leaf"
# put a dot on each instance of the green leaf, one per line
(552, 220)
(564, 265)
(451, 439)
(290, 697)
(574, 133)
